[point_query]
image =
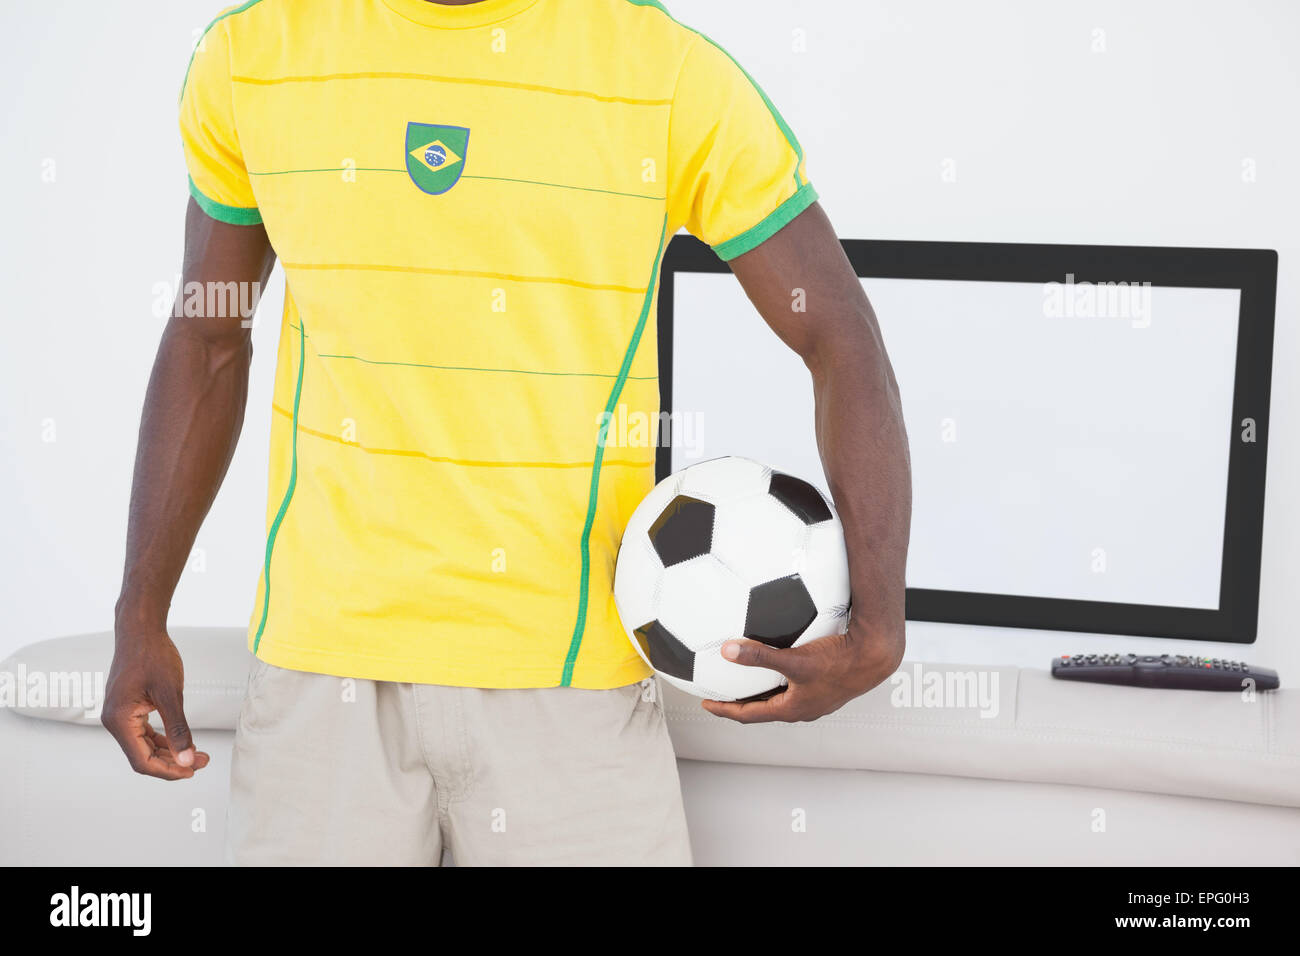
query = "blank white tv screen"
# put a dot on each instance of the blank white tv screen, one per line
(1054, 454)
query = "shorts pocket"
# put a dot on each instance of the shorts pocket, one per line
(645, 697)
(651, 693)
(256, 671)
(252, 712)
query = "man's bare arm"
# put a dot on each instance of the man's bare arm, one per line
(863, 444)
(193, 412)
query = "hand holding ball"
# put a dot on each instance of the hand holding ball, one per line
(727, 549)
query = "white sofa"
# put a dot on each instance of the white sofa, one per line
(1039, 772)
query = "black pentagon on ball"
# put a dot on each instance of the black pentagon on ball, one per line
(683, 530)
(805, 501)
(779, 611)
(667, 654)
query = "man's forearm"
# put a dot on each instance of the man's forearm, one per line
(863, 444)
(193, 413)
(804, 286)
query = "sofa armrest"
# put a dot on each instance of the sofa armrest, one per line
(63, 679)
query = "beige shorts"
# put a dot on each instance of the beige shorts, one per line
(357, 772)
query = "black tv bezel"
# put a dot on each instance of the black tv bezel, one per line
(1252, 271)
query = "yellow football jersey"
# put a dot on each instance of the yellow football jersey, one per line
(471, 204)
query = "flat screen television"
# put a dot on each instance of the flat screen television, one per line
(1088, 424)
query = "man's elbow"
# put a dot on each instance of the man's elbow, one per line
(849, 345)
(216, 344)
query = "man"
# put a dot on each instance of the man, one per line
(471, 202)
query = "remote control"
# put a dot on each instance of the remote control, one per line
(1177, 671)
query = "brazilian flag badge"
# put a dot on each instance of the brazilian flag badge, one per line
(435, 155)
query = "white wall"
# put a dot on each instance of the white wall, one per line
(1143, 143)
(92, 88)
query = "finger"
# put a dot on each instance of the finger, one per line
(158, 740)
(133, 734)
(751, 711)
(129, 728)
(171, 711)
(162, 747)
(779, 689)
(785, 661)
(164, 767)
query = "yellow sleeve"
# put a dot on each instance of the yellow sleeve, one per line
(735, 170)
(218, 180)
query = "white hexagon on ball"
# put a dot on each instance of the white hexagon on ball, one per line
(701, 602)
(825, 567)
(724, 479)
(637, 562)
(758, 538)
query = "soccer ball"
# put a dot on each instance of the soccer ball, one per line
(725, 549)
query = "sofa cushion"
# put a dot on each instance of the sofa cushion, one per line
(63, 678)
(1026, 725)
(1003, 723)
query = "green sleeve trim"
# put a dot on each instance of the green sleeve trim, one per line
(803, 197)
(234, 215)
